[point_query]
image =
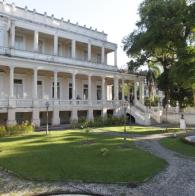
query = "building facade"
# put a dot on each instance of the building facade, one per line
(48, 60)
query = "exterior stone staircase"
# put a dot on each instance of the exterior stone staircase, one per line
(144, 115)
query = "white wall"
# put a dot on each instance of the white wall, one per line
(174, 118)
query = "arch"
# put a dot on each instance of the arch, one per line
(130, 118)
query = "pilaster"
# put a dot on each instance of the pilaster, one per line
(11, 121)
(35, 117)
(74, 114)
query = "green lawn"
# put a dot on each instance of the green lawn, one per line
(134, 129)
(177, 145)
(64, 155)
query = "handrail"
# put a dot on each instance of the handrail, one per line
(49, 57)
(26, 102)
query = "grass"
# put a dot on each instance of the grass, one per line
(177, 145)
(64, 155)
(135, 129)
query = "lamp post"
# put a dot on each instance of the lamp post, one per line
(47, 116)
(125, 104)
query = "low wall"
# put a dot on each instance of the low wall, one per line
(174, 118)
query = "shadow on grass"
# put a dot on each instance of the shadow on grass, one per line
(63, 156)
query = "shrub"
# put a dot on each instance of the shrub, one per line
(97, 122)
(2, 131)
(151, 101)
(87, 131)
(104, 152)
(25, 127)
(84, 124)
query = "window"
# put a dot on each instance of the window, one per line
(85, 91)
(69, 51)
(18, 88)
(85, 55)
(99, 92)
(60, 52)
(58, 90)
(99, 58)
(70, 91)
(40, 46)
(109, 92)
(19, 44)
(39, 89)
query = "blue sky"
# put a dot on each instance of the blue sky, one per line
(117, 18)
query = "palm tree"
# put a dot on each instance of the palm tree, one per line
(151, 78)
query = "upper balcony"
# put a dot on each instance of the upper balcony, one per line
(28, 34)
(35, 45)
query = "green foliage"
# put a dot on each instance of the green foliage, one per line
(165, 29)
(2, 131)
(104, 152)
(24, 128)
(98, 122)
(149, 101)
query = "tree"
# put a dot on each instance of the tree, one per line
(184, 71)
(161, 35)
(151, 78)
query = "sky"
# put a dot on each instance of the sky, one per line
(116, 18)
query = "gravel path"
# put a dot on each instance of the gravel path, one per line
(178, 179)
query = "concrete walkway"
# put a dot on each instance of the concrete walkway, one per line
(178, 179)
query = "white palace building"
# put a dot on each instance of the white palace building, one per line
(48, 60)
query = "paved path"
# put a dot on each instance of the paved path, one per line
(178, 179)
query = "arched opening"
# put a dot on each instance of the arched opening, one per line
(130, 119)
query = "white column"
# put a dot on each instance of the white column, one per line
(73, 48)
(89, 51)
(36, 41)
(55, 45)
(74, 115)
(35, 84)
(74, 86)
(11, 111)
(142, 92)
(11, 119)
(115, 57)
(104, 113)
(89, 90)
(103, 55)
(11, 82)
(103, 89)
(123, 90)
(90, 114)
(56, 117)
(55, 85)
(116, 88)
(35, 117)
(13, 34)
(135, 91)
